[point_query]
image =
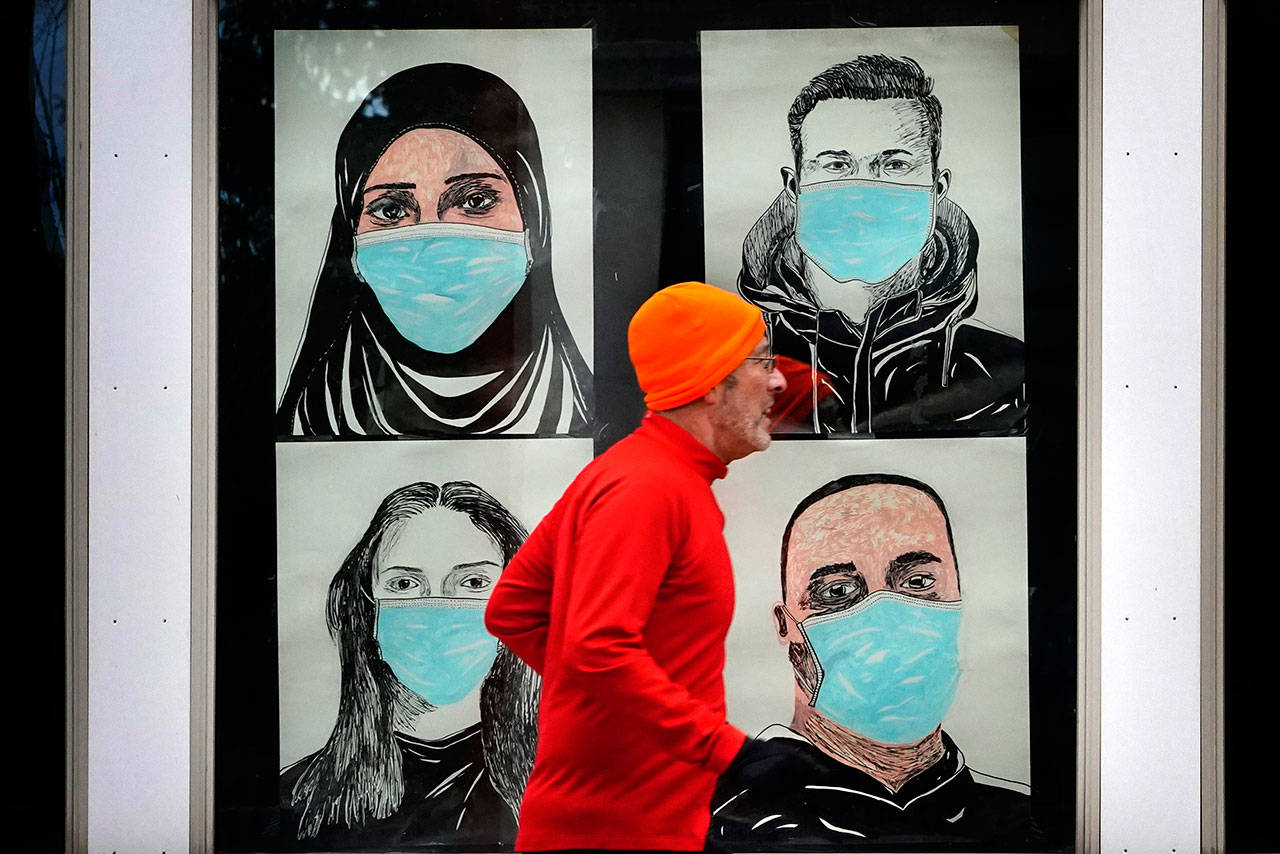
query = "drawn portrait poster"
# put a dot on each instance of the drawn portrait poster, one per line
(433, 233)
(865, 184)
(980, 582)
(386, 555)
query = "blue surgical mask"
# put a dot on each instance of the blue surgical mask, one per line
(863, 230)
(442, 283)
(436, 646)
(887, 667)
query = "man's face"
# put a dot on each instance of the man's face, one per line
(886, 140)
(741, 414)
(860, 541)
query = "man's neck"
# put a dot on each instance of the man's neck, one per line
(697, 423)
(855, 299)
(891, 764)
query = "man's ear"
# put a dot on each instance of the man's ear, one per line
(943, 183)
(780, 617)
(789, 182)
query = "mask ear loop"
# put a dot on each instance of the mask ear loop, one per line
(813, 656)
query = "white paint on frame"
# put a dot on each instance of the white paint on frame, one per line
(1150, 577)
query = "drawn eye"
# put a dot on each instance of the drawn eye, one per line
(402, 584)
(919, 581)
(896, 166)
(390, 209)
(835, 166)
(480, 201)
(475, 583)
(838, 590)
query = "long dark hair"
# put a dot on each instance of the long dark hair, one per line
(354, 373)
(357, 776)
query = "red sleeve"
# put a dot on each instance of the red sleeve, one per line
(519, 609)
(625, 546)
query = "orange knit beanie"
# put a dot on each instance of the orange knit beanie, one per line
(687, 338)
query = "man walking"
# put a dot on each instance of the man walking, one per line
(622, 597)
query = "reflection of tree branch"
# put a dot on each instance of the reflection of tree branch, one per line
(47, 70)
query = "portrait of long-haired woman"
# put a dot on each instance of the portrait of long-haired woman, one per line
(435, 311)
(437, 721)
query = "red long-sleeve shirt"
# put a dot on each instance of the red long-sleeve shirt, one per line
(621, 598)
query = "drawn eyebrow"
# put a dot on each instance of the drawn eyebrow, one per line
(841, 153)
(453, 179)
(832, 569)
(889, 151)
(906, 561)
(474, 563)
(400, 185)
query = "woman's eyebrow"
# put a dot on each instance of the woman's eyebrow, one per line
(474, 563)
(401, 185)
(453, 179)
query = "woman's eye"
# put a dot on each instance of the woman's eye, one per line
(389, 209)
(919, 581)
(479, 202)
(475, 583)
(402, 584)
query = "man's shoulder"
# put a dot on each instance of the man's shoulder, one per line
(999, 790)
(626, 472)
(778, 758)
(976, 337)
(641, 461)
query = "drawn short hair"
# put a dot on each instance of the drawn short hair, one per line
(357, 776)
(869, 78)
(853, 481)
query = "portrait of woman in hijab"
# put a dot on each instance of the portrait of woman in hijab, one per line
(435, 312)
(437, 721)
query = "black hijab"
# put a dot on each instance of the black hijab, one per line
(355, 374)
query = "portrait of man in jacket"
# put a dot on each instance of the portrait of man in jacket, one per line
(866, 270)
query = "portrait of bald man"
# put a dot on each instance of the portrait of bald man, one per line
(869, 618)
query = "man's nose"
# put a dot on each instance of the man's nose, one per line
(777, 382)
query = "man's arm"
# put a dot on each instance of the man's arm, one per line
(519, 609)
(622, 554)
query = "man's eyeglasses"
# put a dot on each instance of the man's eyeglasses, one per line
(770, 362)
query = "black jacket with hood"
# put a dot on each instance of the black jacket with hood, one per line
(917, 365)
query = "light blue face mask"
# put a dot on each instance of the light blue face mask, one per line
(887, 667)
(863, 230)
(436, 646)
(442, 283)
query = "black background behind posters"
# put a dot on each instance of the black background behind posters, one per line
(1249, 800)
(648, 233)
